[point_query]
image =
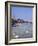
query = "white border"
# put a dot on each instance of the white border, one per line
(34, 25)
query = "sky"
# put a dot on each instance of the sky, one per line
(24, 13)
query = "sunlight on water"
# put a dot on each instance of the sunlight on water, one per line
(24, 30)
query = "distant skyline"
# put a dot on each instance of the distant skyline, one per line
(24, 13)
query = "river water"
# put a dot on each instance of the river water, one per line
(24, 30)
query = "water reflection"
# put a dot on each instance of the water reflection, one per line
(23, 30)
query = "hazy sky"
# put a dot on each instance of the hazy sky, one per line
(24, 13)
